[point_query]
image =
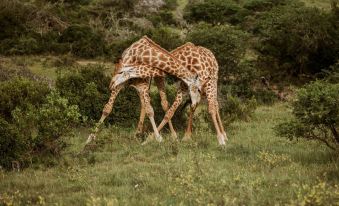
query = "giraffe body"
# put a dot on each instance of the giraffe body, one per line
(147, 52)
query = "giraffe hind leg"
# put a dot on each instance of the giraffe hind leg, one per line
(160, 82)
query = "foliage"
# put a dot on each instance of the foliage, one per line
(32, 120)
(117, 47)
(322, 193)
(83, 41)
(265, 96)
(262, 5)
(20, 93)
(316, 114)
(227, 43)
(163, 17)
(211, 11)
(233, 108)
(166, 37)
(44, 126)
(298, 39)
(332, 74)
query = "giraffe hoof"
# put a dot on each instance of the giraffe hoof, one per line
(186, 138)
(174, 136)
(159, 138)
(221, 140)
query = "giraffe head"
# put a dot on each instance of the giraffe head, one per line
(194, 87)
(121, 74)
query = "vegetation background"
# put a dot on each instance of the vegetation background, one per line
(278, 93)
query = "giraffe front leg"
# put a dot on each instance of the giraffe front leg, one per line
(169, 114)
(221, 126)
(142, 116)
(213, 112)
(160, 83)
(188, 132)
(106, 111)
(150, 114)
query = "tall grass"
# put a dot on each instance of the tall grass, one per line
(255, 168)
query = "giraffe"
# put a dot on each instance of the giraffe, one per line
(201, 61)
(147, 53)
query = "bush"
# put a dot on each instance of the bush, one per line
(234, 108)
(117, 47)
(32, 122)
(163, 17)
(20, 93)
(298, 39)
(88, 88)
(316, 115)
(211, 11)
(44, 126)
(228, 45)
(263, 5)
(267, 97)
(167, 37)
(83, 41)
(12, 144)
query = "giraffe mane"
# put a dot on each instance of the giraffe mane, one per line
(182, 47)
(157, 46)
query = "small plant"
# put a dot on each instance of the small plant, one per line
(83, 41)
(321, 193)
(212, 11)
(298, 39)
(316, 115)
(273, 159)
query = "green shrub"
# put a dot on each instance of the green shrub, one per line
(32, 122)
(332, 74)
(163, 17)
(228, 45)
(83, 41)
(117, 47)
(233, 108)
(316, 115)
(12, 144)
(167, 37)
(20, 93)
(211, 11)
(263, 5)
(298, 39)
(267, 97)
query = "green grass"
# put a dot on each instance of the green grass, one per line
(255, 168)
(322, 4)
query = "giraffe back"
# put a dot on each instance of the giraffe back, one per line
(198, 59)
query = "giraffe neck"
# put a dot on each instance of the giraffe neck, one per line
(147, 52)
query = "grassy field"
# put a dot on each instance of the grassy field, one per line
(255, 168)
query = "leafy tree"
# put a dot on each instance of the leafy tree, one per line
(211, 11)
(316, 115)
(298, 39)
